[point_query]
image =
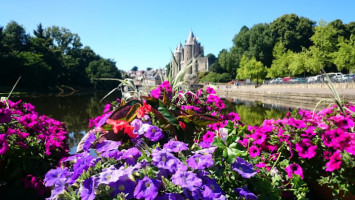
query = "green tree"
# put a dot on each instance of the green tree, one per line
(103, 68)
(14, 38)
(280, 64)
(211, 58)
(344, 58)
(251, 69)
(135, 68)
(293, 31)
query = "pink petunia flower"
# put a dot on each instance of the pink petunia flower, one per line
(334, 162)
(294, 169)
(306, 149)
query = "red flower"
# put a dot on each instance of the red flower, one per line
(118, 125)
(182, 125)
(145, 109)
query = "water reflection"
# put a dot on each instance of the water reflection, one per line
(255, 112)
(75, 111)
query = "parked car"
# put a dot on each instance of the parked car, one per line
(293, 80)
(347, 78)
(337, 78)
(276, 81)
(314, 79)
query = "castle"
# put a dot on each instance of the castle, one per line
(192, 54)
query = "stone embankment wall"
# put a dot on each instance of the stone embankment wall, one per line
(293, 95)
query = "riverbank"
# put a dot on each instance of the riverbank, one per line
(304, 96)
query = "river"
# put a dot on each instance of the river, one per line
(76, 110)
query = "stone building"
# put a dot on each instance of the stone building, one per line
(192, 54)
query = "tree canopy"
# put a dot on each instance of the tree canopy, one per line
(51, 57)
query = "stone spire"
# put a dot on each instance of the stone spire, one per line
(190, 39)
(179, 48)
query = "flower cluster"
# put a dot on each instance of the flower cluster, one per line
(141, 153)
(30, 144)
(311, 146)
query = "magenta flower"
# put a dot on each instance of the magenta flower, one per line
(294, 169)
(334, 162)
(4, 145)
(306, 149)
(343, 122)
(155, 93)
(209, 136)
(5, 115)
(254, 151)
(210, 90)
(259, 138)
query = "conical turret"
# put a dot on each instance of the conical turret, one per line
(190, 39)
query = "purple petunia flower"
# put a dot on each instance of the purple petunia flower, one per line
(107, 145)
(147, 188)
(89, 141)
(243, 168)
(131, 155)
(83, 162)
(136, 123)
(199, 161)
(175, 146)
(154, 134)
(294, 169)
(55, 175)
(187, 180)
(243, 192)
(112, 175)
(88, 189)
(170, 196)
(165, 160)
(125, 186)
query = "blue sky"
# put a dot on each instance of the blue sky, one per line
(143, 32)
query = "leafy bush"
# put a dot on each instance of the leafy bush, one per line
(214, 77)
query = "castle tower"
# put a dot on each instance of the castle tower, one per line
(192, 51)
(179, 57)
(189, 49)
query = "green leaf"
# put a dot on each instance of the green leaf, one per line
(231, 139)
(204, 120)
(232, 155)
(167, 114)
(107, 127)
(218, 142)
(132, 112)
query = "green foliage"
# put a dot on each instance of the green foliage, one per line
(54, 56)
(344, 58)
(251, 69)
(213, 77)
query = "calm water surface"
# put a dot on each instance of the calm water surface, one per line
(76, 110)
